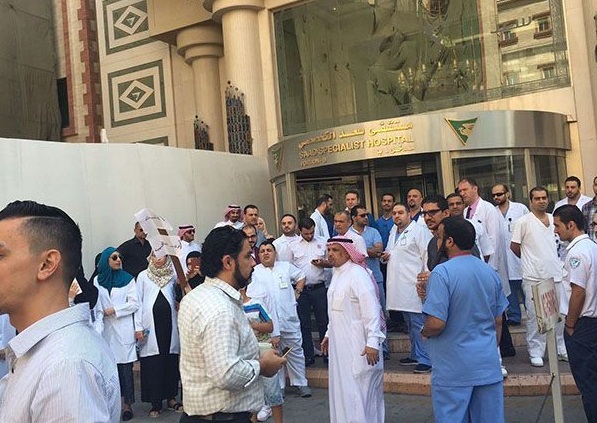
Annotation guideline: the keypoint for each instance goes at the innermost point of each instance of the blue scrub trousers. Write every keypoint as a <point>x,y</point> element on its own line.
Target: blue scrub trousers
<point>514,312</point>
<point>468,404</point>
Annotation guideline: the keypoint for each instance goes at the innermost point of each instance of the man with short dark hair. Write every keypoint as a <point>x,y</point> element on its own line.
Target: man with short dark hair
<point>135,252</point>
<point>220,361</point>
<point>289,235</point>
<point>406,256</point>
<point>323,207</point>
<point>414,199</point>
<point>463,309</point>
<point>308,254</point>
<point>534,241</point>
<point>385,222</point>
<point>351,199</point>
<point>61,369</point>
<point>251,233</point>
<point>251,213</point>
<point>573,195</point>
<point>511,211</point>
<point>588,210</point>
<point>580,279</point>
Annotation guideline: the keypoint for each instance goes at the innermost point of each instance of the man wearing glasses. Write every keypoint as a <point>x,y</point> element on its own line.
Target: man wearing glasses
<point>511,212</point>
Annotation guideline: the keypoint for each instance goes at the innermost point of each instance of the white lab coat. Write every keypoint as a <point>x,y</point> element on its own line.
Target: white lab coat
<point>495,226</point>
<point>148,293</point>
<point>355,388</point>
<point>118,329</point>
<point>408,257</point>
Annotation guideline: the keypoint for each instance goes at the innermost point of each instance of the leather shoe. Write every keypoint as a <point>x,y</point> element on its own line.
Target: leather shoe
<point>127,415</point>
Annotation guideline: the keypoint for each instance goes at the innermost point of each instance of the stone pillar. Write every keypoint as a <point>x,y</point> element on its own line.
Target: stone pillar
<point>201,46</point>
<point>240,29</point>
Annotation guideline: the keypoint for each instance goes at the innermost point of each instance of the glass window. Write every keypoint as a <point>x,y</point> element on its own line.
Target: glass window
<point>488,171</point>
<point>550,173</point>
<point>348,61</point>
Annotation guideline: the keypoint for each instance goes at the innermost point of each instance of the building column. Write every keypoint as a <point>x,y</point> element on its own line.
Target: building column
<point>202,46</point>
<point>240,29</point>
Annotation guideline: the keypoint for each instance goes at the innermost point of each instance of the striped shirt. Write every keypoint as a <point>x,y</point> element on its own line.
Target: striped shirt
<point>219,354</point>
<point>60,370</point>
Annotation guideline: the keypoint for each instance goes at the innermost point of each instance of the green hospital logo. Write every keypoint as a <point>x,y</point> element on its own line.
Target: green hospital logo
<point>278,156</point>
<point>462,128</point>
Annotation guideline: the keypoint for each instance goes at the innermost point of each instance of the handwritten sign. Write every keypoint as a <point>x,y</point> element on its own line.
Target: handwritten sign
<point>546,304</point>
<point>162,243</point>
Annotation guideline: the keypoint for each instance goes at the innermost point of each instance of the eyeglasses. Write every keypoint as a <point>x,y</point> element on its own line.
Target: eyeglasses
<point>363,215</point>
<point>115,257</point>
<point>430,213</point>
<point>497,194</point>
<point>593,224</point>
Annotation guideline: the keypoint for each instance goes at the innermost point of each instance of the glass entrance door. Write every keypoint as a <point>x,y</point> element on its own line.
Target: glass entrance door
<point>309,190</point>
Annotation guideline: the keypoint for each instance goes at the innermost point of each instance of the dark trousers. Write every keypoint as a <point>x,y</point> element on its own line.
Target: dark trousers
<point>582,353</point>
<point>185,418</point>
<point>127,384</point>
<point>506,346</point>
<point>316,300</point>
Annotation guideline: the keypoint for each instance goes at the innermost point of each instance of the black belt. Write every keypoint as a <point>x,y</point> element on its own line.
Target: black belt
<point>314,286</point>
<point>218,417</point>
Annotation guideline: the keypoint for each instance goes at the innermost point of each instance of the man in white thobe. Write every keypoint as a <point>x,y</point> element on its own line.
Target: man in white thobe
<point>353,340</point>
<point>274,283</point>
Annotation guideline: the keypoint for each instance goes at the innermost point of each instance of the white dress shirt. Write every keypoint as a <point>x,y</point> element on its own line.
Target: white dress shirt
<point>278,282</point>
<point>581,202</point>
<point>282,245</point>
<point>515,211</point>
<point>304,252</point>
<point>219,365</point>
<point>61,371</point>
<point>321,226</point>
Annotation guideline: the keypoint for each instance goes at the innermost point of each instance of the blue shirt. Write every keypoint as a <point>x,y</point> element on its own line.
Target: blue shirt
<point>372,237</point>
<point>467,294</point>
<point>384,226</point>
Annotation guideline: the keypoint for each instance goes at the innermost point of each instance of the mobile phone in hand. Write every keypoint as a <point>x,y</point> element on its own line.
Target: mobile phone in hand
<point>285,351</point>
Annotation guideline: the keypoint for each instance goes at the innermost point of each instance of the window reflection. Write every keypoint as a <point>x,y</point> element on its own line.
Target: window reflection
<point>347,61</point>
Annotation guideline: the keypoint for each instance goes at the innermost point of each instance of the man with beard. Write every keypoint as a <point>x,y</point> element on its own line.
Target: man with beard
<point>220,362</point>
<point>463,311</point>
<point>406,256</point>
<point>289,235</point>
<point>251,233</point>
<point>511,212</point>
<point>573,195</point>
<point>251,212</point>
<point>135,252</point>
<point>323,207</point>
<point>233,216</point>
<point>414,199</point>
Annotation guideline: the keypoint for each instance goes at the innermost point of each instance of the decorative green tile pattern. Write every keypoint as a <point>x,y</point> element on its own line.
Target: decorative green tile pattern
<point>126,24</point>
<point>137,94</point>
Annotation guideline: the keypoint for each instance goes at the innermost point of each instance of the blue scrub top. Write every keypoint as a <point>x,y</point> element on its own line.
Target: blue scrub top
<point>467,294</point>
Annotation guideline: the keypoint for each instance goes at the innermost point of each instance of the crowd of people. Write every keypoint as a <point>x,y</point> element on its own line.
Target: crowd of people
<point>451,271</point>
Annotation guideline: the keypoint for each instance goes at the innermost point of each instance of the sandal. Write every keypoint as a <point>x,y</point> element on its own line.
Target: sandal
<point>153,413</point>
<point>175,405</point>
